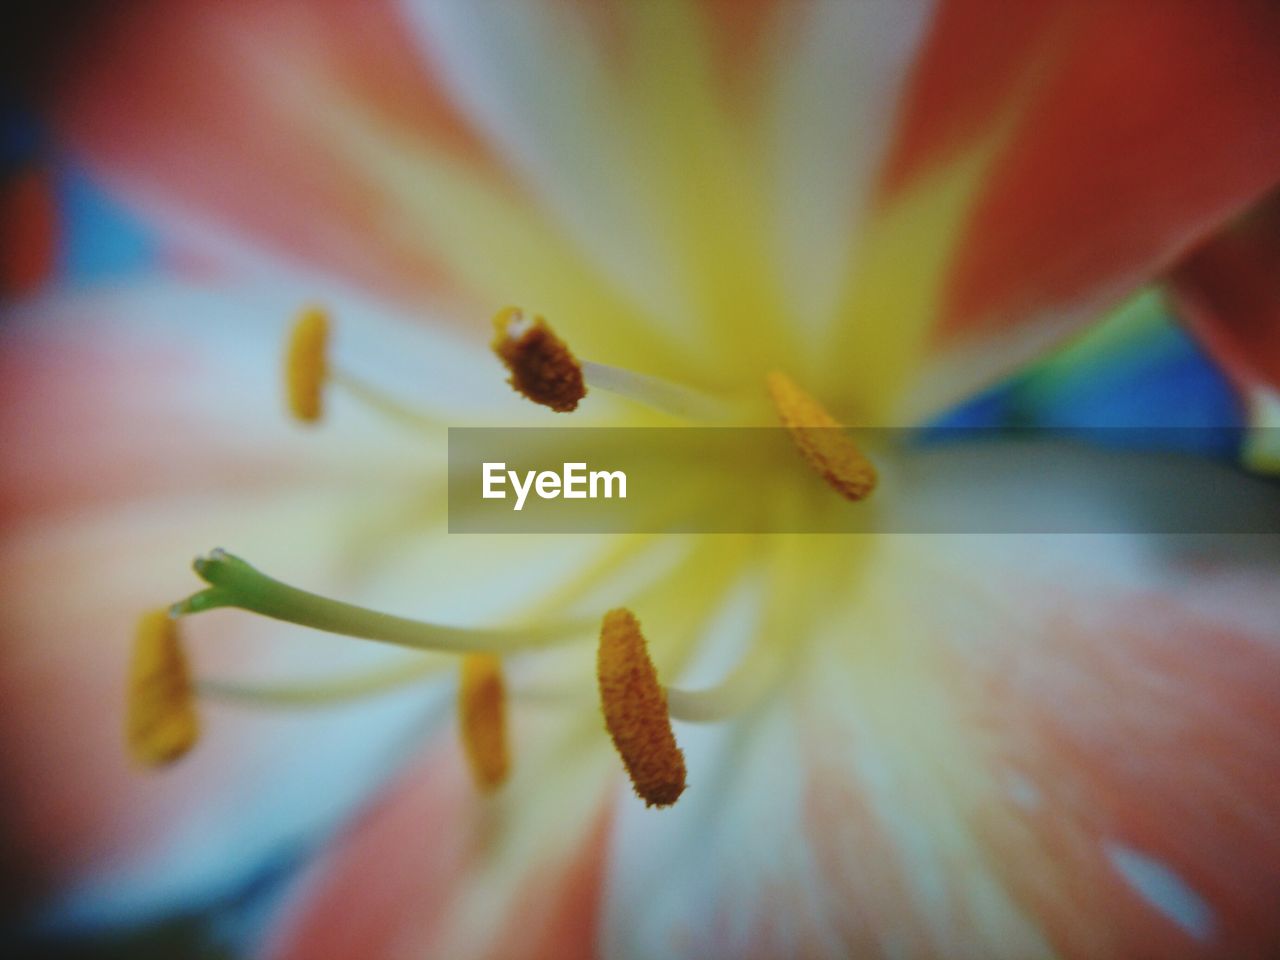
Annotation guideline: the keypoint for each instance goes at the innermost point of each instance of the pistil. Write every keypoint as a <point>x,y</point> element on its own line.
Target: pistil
<point>234,583</point>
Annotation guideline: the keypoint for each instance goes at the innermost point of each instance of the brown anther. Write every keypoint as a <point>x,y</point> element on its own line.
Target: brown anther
<point>541,365</point>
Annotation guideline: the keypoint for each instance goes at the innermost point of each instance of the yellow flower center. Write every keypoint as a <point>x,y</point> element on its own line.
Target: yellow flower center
<point>637,708</point>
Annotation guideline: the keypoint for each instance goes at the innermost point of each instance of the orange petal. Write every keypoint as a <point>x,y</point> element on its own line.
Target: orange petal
<point>1005,746</point>
<point>1228,288</point>
<point>28,230</point>
<point>414,877</point>
<point>229,106</point>
<point>1112,168</point>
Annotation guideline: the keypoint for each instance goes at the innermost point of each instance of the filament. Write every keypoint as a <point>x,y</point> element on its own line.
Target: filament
<point>319,693</point>
<point>383,403</point>
<point>655,393</point>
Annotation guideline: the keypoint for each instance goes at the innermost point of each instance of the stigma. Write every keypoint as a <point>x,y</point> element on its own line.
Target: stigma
<point>542,367</point>
<point>160,720</point>
<point>635,711</point>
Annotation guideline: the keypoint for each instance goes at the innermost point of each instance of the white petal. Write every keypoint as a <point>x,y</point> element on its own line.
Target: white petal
<point>841,69</point>
<point>534,76</point>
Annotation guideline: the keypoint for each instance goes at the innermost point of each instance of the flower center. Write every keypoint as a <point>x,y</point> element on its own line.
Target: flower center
<point>637,709</point>
<point>545,371</point>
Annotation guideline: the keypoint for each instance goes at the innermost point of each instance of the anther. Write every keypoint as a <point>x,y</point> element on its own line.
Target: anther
<point>635,711</point>
<point>541,365</point>
<point>482,719</point>
<point>160,724</point>
<point>821,439</point>
<point>306,364</point>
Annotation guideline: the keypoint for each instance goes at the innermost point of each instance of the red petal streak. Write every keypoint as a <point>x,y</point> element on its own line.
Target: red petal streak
<point>970,62</point>
<point>738,31</point>
<point>28,231</point>
<point>394,884</point>
<point>1228,289</point>
<point>1156,733</point>
<point>391,874</point>
<point>1070,750</point>
<point>561,921</point>
<point>1145,124</point>
<point>106,415</point>
<point>222,105</point>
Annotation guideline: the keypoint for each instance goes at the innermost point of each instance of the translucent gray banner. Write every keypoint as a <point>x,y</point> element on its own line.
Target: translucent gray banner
<point>756,480</point>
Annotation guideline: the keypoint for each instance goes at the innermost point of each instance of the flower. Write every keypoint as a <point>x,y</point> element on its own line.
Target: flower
<point>933,746</point>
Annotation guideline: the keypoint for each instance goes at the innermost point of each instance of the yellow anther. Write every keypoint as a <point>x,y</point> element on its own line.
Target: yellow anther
<point>821,439</point>
<point>306,365</point>
<point>635,711</point>
<point>542,367</point>
<point>160,723</point>
<point>482,717</point>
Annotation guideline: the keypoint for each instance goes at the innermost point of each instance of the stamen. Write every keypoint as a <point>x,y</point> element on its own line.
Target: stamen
<point>635,711</point>
<point>792,606</point>
<point>744,686</point>
<point>319,693</point>
<point>383,403</point>
<point>160,724</point>
<point>234,583</point>
<point>542,367</point>
<point>545,371</point>
<point>654,392</point>
<point>482,718</point>
<point>306,364</point>
<point>821,439</point>
<point>308,372</point>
